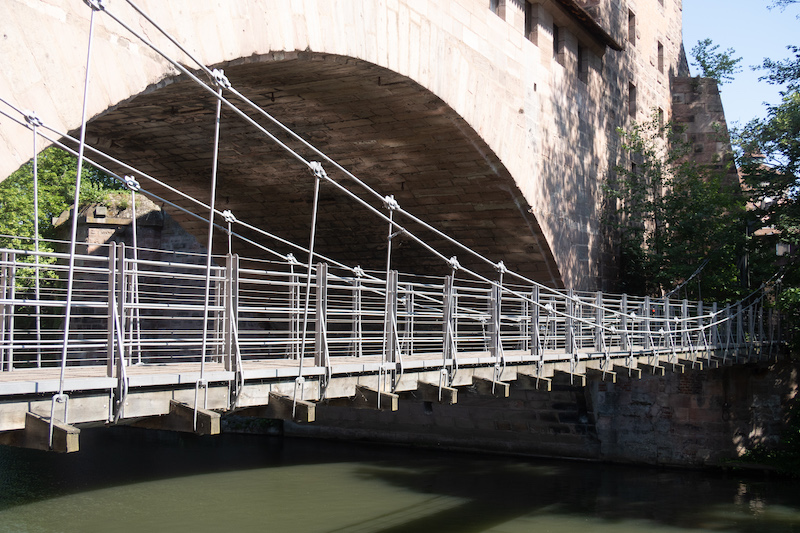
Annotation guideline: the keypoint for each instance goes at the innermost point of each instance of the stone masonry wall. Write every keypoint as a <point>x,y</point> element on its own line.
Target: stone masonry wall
<point>698,418</point>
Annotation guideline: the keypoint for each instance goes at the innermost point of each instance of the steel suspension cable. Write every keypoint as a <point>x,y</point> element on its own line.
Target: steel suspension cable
<point>221,82</point>
<point>95,5</point>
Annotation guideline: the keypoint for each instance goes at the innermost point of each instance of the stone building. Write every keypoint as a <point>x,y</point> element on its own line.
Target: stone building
<point>493,120</point>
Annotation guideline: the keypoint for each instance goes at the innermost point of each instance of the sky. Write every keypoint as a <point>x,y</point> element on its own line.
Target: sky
<point>754,32</point>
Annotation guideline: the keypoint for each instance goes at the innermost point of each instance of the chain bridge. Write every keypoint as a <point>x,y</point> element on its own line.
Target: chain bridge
<point>119,333</point>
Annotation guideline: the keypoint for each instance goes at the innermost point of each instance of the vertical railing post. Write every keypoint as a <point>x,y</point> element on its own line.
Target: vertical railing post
<point>294,313</point>
<point>598,319</point>
<point>448,330</point>
<point>647,317</point>
<point>534,323</point>
<point>112,293</point>
<point>120,298</point>
<point>9,286</point>
<point>569,328</point>
<point>218,327</point>
<point>231,313</point>
<point>524,314</point>
<point>623,323</point>
<point>3,310</point>
<point>701,325</point>
<point>390,319</point>
<point>667,329</point>
<point>494,321</point>
<point>684,325</point>
<point>408,331</point>
<point>356,342</point>
<point>320,329</point>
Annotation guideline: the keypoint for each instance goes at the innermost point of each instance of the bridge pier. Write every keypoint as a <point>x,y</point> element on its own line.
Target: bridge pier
<point>431,392</point>
<point>36,435</point>
<point>283,407</point>
<point>490,387</point>
<point>369,398</point>
<point>181,418</point>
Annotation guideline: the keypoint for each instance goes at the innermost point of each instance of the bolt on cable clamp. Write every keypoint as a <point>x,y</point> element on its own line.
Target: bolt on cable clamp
<point>228,216</point>
<point>500,267</point>
<point>549,309</point>
<point>131,183</point>
<point>358,271</point>
<point>220,79</point>
<point>292,259</point>
<point>317,170</point>
<point>97,5</point>
<point>33,119</point>
<point>390,203</point>
<point>454,264</point>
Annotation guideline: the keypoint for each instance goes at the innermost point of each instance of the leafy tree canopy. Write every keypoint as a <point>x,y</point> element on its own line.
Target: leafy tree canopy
<point>675,217</point>
<point>721,66</point>
<point>56,178</point>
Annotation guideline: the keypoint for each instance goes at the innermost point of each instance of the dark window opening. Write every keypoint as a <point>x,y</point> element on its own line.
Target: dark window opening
<point>529,21</point>
<point>497,7</point>
<point>661,58</point>
<point>557,45</point>
<point>631,28</point>
<point>583,64</point>
<point>632,99</point>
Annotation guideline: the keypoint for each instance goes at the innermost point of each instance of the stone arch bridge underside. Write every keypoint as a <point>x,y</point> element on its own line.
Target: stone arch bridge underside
<point>394,91</point>
<point>396,136</point>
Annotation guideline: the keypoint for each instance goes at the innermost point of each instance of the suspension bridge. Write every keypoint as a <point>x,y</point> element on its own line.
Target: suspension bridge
<point>123,336</point>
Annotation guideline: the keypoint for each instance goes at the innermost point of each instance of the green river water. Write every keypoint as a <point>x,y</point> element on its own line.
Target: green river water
<point>127,480</point>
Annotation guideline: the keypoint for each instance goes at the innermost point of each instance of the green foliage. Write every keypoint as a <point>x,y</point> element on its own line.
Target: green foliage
<point>672,215</point>
<point>782,4</point>
<point>721,66</point>
<point>786,71</point>
<point>56,176</point>
<point>769,159</point>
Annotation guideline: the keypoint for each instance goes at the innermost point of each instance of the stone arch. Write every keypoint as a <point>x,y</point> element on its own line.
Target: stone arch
<point>395,135</point>
<point>480,66</point>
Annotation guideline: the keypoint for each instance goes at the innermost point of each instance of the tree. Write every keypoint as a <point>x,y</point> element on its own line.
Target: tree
<point>769,158</point>
<point>56,176</point>
<point>782,4</point>
<point>721,66</point>
<point>674,217</point>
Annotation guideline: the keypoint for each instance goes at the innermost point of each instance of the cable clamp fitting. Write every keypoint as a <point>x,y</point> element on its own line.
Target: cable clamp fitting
<point>633,315</point>
<point>317,170</point>
<point>549,309</point>
<point>292,259</point>
<point>390,203</point>
<point>227,215</point>
<point>397,233</point>
<point>220,79</point>
<point>454,264</point>
<point>131,183</point>
<point>33,119</point>
<point>97,5</point>
<point>358,271</point>
<point>501,267</point>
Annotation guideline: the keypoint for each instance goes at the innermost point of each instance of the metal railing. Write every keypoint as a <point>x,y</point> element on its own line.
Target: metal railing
<point>139,309</point>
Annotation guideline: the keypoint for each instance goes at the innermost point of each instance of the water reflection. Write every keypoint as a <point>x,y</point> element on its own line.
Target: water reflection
<point>130,480</point>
